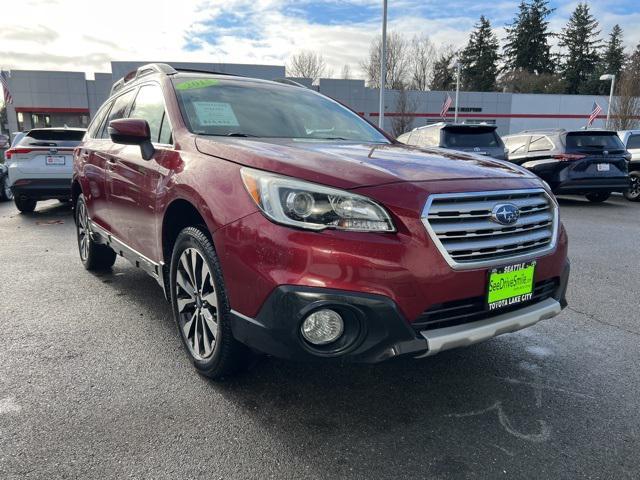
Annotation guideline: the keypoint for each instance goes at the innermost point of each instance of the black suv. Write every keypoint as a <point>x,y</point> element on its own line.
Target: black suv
<point>593,163</point>
<point>478,139</point>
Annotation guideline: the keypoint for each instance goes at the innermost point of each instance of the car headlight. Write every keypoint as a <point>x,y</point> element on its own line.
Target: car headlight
<point>307,205</point>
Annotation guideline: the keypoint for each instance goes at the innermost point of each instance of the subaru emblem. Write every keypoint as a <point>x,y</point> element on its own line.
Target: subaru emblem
<point>476,149</point>
<point>505,213</point>
<point>53,151</point>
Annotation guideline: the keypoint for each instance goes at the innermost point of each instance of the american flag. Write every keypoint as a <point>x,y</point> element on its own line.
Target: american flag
<point>4,80</point>
<point>445,106</point>
<point>597,109</point>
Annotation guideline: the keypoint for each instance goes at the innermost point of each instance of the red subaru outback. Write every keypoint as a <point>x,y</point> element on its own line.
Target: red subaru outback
<point>278,221</point>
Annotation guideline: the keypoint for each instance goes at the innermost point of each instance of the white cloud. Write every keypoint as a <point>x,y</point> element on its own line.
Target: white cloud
<point>86,35</point>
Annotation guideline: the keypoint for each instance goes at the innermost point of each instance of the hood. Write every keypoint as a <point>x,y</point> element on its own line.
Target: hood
<point>352,165</point>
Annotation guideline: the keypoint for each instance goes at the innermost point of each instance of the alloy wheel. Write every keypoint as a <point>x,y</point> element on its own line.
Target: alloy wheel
<point>197,304</point>
<point>84,231</point>
<point>634,188</point>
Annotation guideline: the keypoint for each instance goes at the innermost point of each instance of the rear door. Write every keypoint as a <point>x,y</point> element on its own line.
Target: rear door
<point>91,162</point>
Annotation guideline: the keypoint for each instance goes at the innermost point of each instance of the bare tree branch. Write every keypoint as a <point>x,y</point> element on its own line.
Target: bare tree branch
<point>422,54</point>
<point>306,64</point>
<point>398,63</point>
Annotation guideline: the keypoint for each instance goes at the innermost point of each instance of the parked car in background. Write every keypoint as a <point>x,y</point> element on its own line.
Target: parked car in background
<point>16,137</point>
<point>5,190</point>
<point>278,221</point>
<point>40,165</point>
<point>631,140</point>
<point>592,163</point>
<point>4,140</point>
<point>478,139</point>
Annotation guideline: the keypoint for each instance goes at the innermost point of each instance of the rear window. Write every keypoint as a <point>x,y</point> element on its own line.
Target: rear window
<point>590,141</point>
<point>470,138</point>
<point>633,141</point>
<point>53,138</point>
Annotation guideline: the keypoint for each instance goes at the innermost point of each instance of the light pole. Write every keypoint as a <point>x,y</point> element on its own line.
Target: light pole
<point>612,77</point>
<point>383,66</point>
<point>457,91</point>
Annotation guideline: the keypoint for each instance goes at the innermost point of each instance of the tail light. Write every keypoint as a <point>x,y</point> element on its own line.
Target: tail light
<point>568,157</point>
<point>14,151</point>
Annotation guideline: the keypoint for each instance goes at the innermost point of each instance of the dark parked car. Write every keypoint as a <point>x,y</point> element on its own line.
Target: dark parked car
<point>479,139</point>
<point>631,141</point>
<point>580,162</point>
<point>278,221</point>
<point>5,189</point>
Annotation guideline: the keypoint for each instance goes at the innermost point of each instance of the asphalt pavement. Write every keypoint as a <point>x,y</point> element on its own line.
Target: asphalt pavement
<point>94,382</point>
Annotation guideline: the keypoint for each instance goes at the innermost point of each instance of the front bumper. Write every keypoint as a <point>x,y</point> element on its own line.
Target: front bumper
<point>375,329</point>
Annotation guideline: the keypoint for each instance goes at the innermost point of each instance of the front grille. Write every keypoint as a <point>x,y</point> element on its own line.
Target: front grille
<point>462,227</point>
<point>470,310</point>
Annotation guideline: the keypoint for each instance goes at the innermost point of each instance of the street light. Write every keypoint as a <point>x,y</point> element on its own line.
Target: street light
<point>605,77</point>
<point>383,66</point>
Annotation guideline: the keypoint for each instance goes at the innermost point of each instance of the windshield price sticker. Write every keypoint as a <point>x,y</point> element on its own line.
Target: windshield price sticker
<point>215,114</point>
<point>511,285</point>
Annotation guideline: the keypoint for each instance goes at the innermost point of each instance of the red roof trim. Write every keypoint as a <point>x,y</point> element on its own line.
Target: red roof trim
<point>51,110</point>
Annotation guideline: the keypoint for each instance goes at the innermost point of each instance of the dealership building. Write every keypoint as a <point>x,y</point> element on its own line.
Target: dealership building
<point>53,99</point>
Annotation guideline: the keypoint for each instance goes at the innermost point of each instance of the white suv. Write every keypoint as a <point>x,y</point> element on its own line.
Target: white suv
<point>40,165</point>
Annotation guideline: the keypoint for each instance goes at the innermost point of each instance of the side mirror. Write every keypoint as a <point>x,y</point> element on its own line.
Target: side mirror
<point>132,131</point>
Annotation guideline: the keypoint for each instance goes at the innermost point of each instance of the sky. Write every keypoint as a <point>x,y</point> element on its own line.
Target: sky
<point>85,35</point>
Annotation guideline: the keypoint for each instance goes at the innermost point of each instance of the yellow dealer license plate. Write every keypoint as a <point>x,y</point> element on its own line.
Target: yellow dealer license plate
<point>510,285</point>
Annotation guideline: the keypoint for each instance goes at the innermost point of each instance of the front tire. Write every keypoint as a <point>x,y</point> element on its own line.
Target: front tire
<point>25,204</point>
<point>633,194</point>
<point>201,307</point>
<point>598,197</point>
<point>94,257</point>
<point>5,191</point>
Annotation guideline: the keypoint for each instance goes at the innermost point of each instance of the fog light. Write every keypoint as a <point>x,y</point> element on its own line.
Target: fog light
<point>322,327</point>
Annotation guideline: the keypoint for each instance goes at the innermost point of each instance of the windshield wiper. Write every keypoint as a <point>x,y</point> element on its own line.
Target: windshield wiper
<point>240,134</point>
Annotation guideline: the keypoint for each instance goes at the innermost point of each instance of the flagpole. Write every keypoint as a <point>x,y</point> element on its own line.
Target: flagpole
<point>457,90</point>
<point>383,66</point>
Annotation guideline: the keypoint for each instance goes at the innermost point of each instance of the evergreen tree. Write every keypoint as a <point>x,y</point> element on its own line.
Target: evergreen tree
<point>527,47</point>
<point>612,61</point>
<point>614,58</point>
<point>443,73</point>
<point>479,59</point>
<point>580,39</point>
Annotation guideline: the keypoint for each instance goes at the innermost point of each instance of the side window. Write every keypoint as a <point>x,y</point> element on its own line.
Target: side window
<point>540,144</point>
<point>165,131</point>
<point>633,141</point>
<point>97,121</point>
<point>516,144</point>
<point>149,106</point>
<point>119,109</point>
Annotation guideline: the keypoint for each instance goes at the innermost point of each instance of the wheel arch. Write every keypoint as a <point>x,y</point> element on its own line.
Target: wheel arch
<point>179,214</point>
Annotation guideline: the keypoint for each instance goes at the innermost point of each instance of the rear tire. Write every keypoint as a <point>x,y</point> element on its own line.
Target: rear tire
<point>201,307</point>
<point>25,204</point>
<point>94,257</point>
<point>5,191</point>
<point>633,194</point>
<point>598,197</point>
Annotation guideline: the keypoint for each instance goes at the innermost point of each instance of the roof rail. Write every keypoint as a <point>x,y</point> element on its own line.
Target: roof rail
<point>288,81</point>
<point>142,71</point>
<point>198,70</point>
<point>539,130</point>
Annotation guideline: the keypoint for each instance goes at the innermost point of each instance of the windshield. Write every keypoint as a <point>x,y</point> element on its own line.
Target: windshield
<point>253,109</point>
<point>470,138</point>
<point>593,141</point>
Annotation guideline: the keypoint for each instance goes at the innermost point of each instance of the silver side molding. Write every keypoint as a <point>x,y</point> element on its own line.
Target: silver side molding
<point>136,258</point>
<point>447,338</point>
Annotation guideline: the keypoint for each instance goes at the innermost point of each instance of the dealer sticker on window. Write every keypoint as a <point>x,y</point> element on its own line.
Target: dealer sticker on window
<point>510,285</point>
